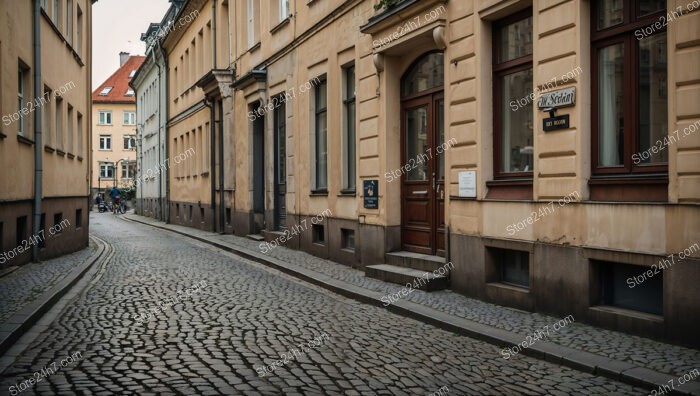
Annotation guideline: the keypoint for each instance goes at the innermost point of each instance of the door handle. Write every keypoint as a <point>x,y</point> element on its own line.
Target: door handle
<point>433,180</point>
<point>424,192</point>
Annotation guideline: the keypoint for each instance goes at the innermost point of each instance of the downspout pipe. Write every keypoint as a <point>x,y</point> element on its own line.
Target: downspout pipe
<point>166,168</point>
<point>213,33</point>
<point>160,174</point>
<point>212,165</point>
<point>222,228</point>
<point>38,141</point>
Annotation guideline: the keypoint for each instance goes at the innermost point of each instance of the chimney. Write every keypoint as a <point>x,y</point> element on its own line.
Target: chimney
<point>123,56</point>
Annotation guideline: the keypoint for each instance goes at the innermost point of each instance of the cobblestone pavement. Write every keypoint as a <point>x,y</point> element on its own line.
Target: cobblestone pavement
<point>26,284</point>
<point>643,352</point>
<point>223,333</point>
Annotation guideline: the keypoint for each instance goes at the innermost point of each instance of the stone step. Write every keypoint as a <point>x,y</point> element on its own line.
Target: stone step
<point>255,237</point>
<point>423,262</point>
<point>421,280</point>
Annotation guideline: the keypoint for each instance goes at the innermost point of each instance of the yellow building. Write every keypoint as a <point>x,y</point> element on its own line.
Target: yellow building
<point>114,128</point>
<point>45,69</point>
<point>544,153</point>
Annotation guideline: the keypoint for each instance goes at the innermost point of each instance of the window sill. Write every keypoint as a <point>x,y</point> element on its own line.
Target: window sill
<point>80,158</point>
<point>629,188</point>
<point>49,149</point>
<point>25,140</point>
<point>71,156</point>
<point>280,25</point>
<point>510,287</point>
<point>2,135</point>
<point>254,47</point>
<point>516,189</point>
<point>61,152</point>
<point>628,313</point>
<point>348,193</point>
<point>319,193</point>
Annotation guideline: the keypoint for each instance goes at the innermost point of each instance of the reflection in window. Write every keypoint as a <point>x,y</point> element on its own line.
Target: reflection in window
<point>609,13</point>
<point>653,109</point>
<point>610,105</point>
<point>428,73</point>
<point>516,126</point>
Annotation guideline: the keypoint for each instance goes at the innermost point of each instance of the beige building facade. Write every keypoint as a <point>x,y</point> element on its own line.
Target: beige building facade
<point>114,128</point>
<point>44,134</point>
<point>545,151</point>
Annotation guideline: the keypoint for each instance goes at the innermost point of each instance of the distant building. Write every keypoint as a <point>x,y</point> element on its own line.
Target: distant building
<point>151,86</point>
<point>114,128</point>
<point>44,133</point>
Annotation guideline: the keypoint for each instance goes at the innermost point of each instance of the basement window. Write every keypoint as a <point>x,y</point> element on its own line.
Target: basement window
<point>318,234</point>
<point>347,239</point>
<point>632,287</point>
<point>513,266</point>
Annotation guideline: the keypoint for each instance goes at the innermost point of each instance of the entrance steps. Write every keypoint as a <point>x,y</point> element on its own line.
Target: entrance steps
<point>422,271</point>
<point>256,237</point>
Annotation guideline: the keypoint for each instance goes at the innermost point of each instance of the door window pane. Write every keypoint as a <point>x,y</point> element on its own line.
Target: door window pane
<point>515,40</point>
<point>417,144</point>
<point>516,125</point>
<point>428,73</point>
<point>609,13</point>
<point>610,105</point>
<point>653,109</point>
<point>281,143</point>
<point>441,139</point>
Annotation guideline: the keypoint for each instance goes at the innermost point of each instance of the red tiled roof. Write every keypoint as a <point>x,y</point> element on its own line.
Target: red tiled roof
<point>119,81</point>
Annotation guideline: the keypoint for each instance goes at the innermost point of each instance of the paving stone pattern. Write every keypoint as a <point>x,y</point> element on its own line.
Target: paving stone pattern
<point>213,341</point>
<point>24,285</point>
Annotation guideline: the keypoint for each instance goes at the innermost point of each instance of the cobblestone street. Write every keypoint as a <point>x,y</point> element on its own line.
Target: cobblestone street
<point>240,328</point>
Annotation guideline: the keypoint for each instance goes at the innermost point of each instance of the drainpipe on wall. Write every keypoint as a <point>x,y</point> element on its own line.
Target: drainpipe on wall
<point>38,143</point>
<point>221,167</point>
<point>166,170</point>
<point>160,174</point>
<point>213,33</point>
<point>212,164</point>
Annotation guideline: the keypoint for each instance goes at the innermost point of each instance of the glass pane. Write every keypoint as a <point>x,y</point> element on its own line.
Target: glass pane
<point>441,147</point>
<point>351,145</point>
<point>515,40</point>
<point>515,267</point>
<point>428,73</point>
<point>321,152</point>
<point>610,106</point>
<point>417,144</point>
<point>609,13</point>
<point>653,103</point>
<point>321,99</point>
<point>281,144</point>
<point>647,7</point>
<point>516,123</point>
<point>350,78</point>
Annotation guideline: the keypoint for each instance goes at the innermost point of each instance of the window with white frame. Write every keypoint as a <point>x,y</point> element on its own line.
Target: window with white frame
<point>22,77</point>
<point>128,170</point>
<point>252,18</point>
<point>107,170</point>
<point>105,91</point>
<point>129,118</point>
<point>105,142</point>
<point>129,142</point>
<point>284,9</point>
<point>104,117</point>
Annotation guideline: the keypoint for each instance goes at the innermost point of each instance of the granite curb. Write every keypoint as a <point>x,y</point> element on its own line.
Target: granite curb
<point>23,320</point>
<point>551,352</point>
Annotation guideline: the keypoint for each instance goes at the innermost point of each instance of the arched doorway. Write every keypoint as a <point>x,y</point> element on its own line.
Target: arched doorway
<point>422,156</point>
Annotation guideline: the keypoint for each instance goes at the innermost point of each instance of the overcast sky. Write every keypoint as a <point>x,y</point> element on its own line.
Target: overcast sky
<point>117,26</point>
